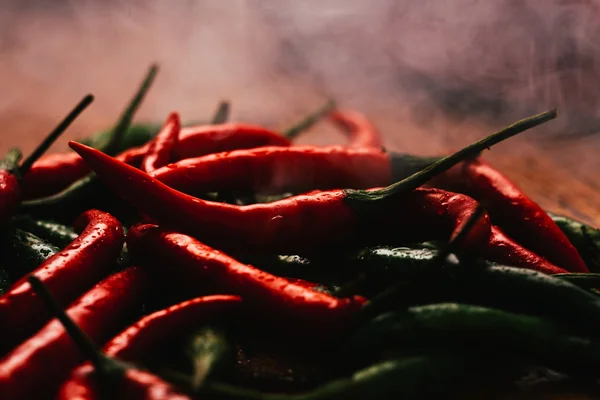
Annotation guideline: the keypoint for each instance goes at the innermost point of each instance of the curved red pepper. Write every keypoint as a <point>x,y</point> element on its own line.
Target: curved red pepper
<point>201,140</point>
<point>135,384</point>
<point>36,368</point>
<point>68,273</point>
<point>161,149</point>
<point>272,297</point>
<point>150,331</point>
<point>506,251</point>
<point>518,215</point>
<point>154,329</point>
<point>272,170</point>
<point>52,173</point>
<point>360,131</point>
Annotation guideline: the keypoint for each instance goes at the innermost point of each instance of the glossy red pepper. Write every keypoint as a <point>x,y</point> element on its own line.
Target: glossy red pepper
<point>135,384</point>
<point>201,140</point>
<point>273,298</point>
<point>150,332</point>
<point>160,150</point>
<point>518,215</point>
<point>273,170</point>
<point>35,369</point>
<point>503,250</point>
<point>158,327</point>
<point>68,273</point>
<point>361,133</point>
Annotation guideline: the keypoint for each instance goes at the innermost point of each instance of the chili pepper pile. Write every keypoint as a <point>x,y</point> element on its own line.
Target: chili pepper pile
<point>219,260</point>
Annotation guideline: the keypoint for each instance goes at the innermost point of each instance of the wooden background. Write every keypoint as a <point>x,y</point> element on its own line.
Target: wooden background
<point>432,75</point>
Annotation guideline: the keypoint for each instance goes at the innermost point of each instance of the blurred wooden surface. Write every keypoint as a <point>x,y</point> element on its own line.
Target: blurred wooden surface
<point>408,65</point>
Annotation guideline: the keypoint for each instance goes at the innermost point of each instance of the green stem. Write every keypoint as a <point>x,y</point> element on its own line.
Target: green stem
<point>52,136</point>
<point>420,178</point>
<point>308,121</point>
<point>222,114</point>
<point>112,143</point>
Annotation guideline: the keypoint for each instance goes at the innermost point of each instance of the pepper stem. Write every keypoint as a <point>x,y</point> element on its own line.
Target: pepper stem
<point>103,364</point>
<point>222,114</point>
<point>308,121</point>
<point>420,178</point>
<point>11,160</point>
<point>112,142</point>
<point>458,237</point>
<point>55,134</point>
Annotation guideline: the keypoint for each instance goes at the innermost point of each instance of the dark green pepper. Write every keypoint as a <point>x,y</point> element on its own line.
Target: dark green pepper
<point>22,252</point>
<point>475,328</point>
<point>52,232</point>
<point>585,238</point>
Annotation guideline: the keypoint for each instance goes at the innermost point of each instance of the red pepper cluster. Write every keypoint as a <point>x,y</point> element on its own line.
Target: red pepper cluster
<point>185,241</point>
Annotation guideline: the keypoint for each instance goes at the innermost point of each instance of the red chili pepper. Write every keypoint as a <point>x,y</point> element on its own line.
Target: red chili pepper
<point>68,273</point>
<point>134,384</point>
<point>506,251</point>
<point>13,177</point>
<point>201,140</point>
<point>273,297</point>
<point>160,150</point>
<point>154,329</point>
<point>35,369</point>
<point>361,132</point>
<point>273,170</point>
<point>519,216</point>
<point>151,331</point>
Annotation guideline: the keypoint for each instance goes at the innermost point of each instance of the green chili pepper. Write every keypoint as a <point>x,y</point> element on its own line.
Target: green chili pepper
<point>52,232</point>
<point>585,238</point>
<point>23,252</point>
<point>582,279</point>
<point>508,288</point>
<point>420,376</point>
<point>451,325</point>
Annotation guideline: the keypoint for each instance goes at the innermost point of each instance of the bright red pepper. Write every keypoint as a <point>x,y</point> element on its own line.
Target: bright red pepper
<point>513,211</point>
<point>506,251</point>
<point>35,369</point>
<point>68,273</point>
<point>156,328</point>
<point>272,170</point>
<point>151,331</point>
<point>160,150</point>
<point>361,133</point>
<point>274,298</point>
